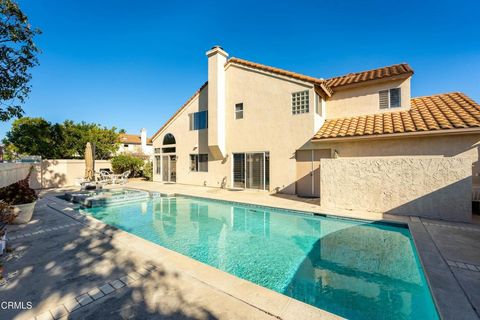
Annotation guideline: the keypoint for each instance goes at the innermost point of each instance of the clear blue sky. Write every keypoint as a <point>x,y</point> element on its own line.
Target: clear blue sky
<point>131,64</point>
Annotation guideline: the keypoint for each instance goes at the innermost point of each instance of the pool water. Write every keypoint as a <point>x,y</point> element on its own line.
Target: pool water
<point>352,268</point>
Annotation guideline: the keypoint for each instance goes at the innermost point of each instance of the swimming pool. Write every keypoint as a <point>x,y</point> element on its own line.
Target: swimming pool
<point>352,268</point>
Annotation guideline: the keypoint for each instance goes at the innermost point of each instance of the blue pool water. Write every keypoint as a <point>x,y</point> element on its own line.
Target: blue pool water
<point>352,268</point>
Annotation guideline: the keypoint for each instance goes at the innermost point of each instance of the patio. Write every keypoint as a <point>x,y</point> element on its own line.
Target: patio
<point>71,266</point>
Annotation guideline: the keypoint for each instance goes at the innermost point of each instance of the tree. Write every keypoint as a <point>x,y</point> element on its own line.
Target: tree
<point>17,56</point>
<point>76,136</point>
<point>36,136</point>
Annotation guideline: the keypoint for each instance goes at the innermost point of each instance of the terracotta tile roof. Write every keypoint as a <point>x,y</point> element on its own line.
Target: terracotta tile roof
<point>315,81</point>
<point>179,110</point>
<point>132,138</point>
<point>427,114</point>
<point>375,74</point>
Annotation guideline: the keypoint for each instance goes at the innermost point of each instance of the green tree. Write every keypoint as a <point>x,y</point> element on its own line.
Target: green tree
<point>36,136</point>
<point>76,136</point>
<point>17,55</point>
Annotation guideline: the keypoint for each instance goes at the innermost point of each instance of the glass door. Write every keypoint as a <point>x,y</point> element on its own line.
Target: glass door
<point>251,170</point>
<point>173,168</point>
<point>165,169</point>
<point>239,170</point>
<point>254,171</point>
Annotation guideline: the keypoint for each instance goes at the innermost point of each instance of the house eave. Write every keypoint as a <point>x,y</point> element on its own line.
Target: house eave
<point>440,132</point>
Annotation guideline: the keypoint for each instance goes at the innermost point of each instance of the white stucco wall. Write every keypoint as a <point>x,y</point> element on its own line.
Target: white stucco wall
<point>13,172</point>
<point>48,173</point>
<point>438,188</point>
<point>267,125</point>
<point>364,99</point>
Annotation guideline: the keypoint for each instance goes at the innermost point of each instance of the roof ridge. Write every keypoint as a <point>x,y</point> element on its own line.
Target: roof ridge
<point>316,81</point>
<point>439,94</point>
<point>369,70</point>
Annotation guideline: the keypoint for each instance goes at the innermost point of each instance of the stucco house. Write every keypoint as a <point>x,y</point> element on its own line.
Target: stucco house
<point>259,127</point>
<point>135,143</point>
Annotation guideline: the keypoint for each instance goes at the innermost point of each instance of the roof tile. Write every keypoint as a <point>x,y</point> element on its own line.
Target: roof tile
<point>438,112</point>
<point>375,74</point>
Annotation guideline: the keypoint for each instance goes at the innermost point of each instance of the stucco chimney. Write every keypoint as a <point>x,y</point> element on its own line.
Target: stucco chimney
<point>217,58</point>
<point>143,138</point>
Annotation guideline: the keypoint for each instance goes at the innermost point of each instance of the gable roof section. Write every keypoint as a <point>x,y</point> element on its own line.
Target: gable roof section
<point>132,138</point>
<point>427,114</point>
<point>369,75</point>
<point>316,81</point>
<point>179,110</point>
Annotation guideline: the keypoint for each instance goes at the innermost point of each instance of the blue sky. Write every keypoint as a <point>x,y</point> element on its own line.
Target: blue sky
<point>131,64</point>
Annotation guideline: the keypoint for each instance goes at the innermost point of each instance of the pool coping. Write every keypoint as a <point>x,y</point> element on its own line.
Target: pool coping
<point>441,281</point>
<point>266,300</point>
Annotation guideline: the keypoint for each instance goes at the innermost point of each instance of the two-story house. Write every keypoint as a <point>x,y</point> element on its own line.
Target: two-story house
<point>135,143</point>
<point>259,127</point>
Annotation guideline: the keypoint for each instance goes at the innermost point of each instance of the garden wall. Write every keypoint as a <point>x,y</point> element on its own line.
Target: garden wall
<point>48,173</point>
<point>438,188</point>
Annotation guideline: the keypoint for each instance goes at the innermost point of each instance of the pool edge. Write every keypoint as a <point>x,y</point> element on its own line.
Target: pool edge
<point>266,300</point>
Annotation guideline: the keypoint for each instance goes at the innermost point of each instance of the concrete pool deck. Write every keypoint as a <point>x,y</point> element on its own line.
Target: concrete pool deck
<point>82,270</point>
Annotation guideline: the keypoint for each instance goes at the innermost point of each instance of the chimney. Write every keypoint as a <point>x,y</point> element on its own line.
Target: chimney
<point>143,139</point>
<point>217,58</point>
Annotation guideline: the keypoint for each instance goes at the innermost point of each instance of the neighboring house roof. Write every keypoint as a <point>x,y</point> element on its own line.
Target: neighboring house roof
<point>132,139</point>
<point>428,114</point>
<point>316,81</point>
<point>369,75</point>
<point>179,111</point>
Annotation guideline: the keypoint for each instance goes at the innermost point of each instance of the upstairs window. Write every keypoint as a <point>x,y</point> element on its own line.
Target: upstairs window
<point>390,98</point>
<point>239,111</point>
<point>199,120</point>
<point>300,102</point>
<point>199,162</point>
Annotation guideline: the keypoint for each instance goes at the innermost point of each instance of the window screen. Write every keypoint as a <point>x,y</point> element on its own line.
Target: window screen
<point>383,99</point>
<point>390,98</point>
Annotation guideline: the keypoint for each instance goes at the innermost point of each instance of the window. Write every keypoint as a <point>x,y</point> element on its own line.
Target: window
<point>169,150</point>
<point>125,145</point>
<point>300,102</point>
<point>199,162</point>
<point>390,98</point>
<point>198,120</point>
<point>158,165</point>
<point>158,150</point>
<point>169,139</point>
<point>239,111</point>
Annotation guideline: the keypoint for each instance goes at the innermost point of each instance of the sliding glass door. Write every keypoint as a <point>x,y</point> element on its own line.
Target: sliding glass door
<point>239,170</point>
<point>251,170</point>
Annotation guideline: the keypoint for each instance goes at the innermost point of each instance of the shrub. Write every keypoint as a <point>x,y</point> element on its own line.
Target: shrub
<point>19,192</point>
<point>148,171</point>
<point>7,215</point>
<point>125,162</point>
